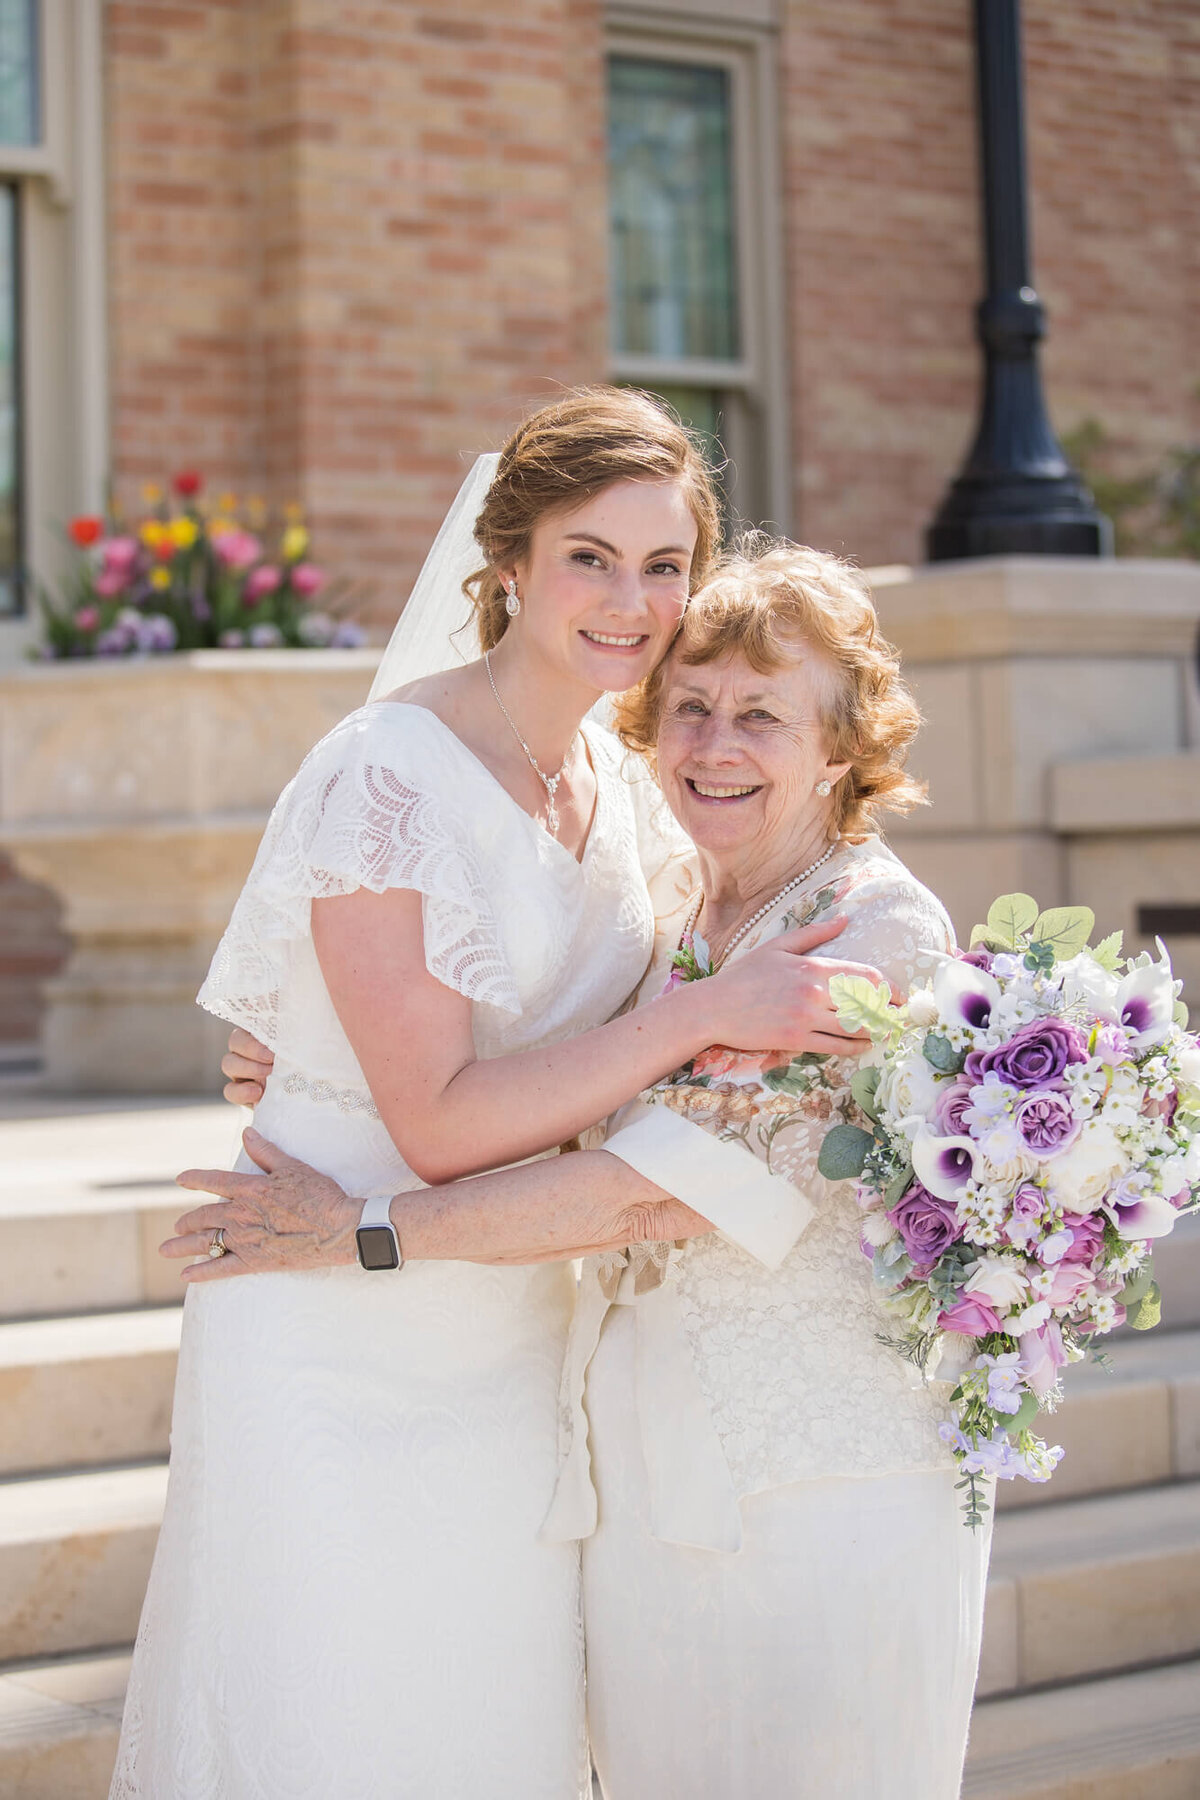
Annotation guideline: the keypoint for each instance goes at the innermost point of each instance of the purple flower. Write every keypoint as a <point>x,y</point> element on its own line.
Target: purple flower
<point>1087,1237</point>
<point>348,636</point>
<point>1028,1205</point>
<point>1112,1044</point>
<point>978,959</point>
<point>1035,1055</point>
<point>949,1108</point>
<point>1046,1122</point>
<point>928,1226</point>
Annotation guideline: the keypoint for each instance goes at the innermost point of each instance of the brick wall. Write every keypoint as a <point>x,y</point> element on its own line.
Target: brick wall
<point>883,251</point>
<point>376,235</point>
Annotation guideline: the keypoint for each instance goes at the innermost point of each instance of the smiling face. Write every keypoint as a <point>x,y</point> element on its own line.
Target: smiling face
<point>740,754</point>
<point>604,586</point>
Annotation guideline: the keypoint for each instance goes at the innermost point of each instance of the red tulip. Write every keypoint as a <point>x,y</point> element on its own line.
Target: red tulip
<point>187,483</point>
<point>86,531</point>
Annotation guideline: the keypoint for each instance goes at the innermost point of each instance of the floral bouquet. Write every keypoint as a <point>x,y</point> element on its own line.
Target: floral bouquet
<point>1035,1124</point>
<point>188,577</point>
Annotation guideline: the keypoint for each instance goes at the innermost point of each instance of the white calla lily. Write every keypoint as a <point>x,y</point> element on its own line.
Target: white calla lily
<point>965,995</point>
<point>1146,1002</point>
<point>943,1165</point>
<point>1148,1217</point>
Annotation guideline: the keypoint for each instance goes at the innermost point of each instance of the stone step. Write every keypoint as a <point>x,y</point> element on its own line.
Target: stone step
<point>1092,1586</point>
<point>59,1725</point>
<point>87,1196</point>
<point>1177,1270</point>
<point>1130,1737</point>
<point>91,1389</point>
<point>75,1553</point>
<point>1131,1425</point>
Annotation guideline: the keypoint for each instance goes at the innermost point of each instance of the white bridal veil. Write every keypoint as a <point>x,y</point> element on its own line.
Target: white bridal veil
<point>436,630</point>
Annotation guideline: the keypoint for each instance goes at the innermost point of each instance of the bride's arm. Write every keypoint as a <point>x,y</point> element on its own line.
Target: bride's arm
<point>292,1217</point>
<point>451,1115</point>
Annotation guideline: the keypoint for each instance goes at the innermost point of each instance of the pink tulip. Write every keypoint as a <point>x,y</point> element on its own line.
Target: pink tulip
<point>261,581</point>
<point>307,579</point>
<point>237,549</point>
<point>110,582</point>
<point>87,618</point>
<point>119,553</point>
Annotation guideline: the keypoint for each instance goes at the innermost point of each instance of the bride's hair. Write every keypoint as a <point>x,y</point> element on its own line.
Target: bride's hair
<point>568,451</point>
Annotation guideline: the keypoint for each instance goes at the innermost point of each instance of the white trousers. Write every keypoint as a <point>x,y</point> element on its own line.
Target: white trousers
<point>832,1658</point>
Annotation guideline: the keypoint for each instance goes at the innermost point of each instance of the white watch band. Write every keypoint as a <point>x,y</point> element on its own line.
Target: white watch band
<point>376,1215</point>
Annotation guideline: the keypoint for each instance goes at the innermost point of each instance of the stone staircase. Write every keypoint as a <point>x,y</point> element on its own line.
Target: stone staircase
<point>1090,1684</point>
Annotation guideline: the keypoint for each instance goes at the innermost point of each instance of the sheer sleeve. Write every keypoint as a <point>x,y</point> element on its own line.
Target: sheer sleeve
<point>666,853</point>
<point>383,801</point>
<point>770,1108</point>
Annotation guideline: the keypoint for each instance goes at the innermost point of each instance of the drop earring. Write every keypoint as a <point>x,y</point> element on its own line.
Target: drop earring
<point>512,605</point>
<point>824,789</point>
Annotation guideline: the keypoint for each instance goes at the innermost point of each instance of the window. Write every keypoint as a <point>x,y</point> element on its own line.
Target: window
<point>692,313</point>
<point>53,393</point>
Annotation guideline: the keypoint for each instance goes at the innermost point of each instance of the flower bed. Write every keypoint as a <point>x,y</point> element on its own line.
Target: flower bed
<point>191,576</point>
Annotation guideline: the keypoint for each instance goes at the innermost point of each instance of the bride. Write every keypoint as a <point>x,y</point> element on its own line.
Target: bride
<point>349,1598</point>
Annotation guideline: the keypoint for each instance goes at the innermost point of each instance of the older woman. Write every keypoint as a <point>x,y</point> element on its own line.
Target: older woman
<point>780,1595</point>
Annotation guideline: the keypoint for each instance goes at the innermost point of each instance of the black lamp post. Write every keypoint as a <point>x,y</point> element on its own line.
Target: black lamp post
<point>1017,494</point>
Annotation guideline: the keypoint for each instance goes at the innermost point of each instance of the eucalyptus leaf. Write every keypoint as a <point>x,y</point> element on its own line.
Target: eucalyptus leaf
<point>1023,1418</point>
<point>1180,1015</point>
<point>864,1084</point>
<point>1012,917</point>
<point>1148,1311</point>
<point>891,1275</point>
<point>941,1055</point>
<point>843,1152</point>
<point>862,1006</point>
<point>1066,928</point>
<point>898,1186</point>
<point>983,939</point>
<point>1108,951</point>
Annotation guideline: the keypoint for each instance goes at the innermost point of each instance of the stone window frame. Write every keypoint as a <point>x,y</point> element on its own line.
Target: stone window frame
<point>758,434</point>
<point>63,372</point>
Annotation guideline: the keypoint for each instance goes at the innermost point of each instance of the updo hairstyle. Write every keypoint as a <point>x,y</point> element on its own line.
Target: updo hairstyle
<point>565,453</point>
<point>769,600</point>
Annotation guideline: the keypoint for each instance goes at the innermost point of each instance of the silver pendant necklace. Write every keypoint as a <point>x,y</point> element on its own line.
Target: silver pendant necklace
<point>549,782</point>
<point>690,928</point>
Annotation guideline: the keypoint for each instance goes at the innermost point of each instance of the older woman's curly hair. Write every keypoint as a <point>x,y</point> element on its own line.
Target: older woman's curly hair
<point>769,599</point>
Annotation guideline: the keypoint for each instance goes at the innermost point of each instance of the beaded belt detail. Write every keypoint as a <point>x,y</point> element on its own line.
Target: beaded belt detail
<point>347,1100</point>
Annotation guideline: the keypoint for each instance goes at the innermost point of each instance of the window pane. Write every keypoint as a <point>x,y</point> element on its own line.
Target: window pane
<point>674,285</point>
<point>19,108</point>
<point>10,437</point>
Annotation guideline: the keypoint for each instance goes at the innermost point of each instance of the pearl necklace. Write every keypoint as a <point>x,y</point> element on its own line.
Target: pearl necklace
<point>740,933</point>
<point>549,782</point>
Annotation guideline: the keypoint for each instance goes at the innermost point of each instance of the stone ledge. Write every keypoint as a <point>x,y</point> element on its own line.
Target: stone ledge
<point>1126,793</point>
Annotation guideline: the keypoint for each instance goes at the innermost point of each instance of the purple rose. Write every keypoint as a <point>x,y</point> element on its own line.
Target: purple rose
<point>1033,1056</point>
<point>949,1108</point>
<point>978,959</point>
<point>1028,1205</point>
<point>1046,1122</point>
<point>928,1226</point>
<point>970,1317</point>
<point>1087,1237</point>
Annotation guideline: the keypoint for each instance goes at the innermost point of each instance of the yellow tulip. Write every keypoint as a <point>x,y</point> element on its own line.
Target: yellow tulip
<point>160,578</point>
<point>153,533</point>
<point>151,493</point>
<point>183,533</point>
<point>293,512</point>
<point>294,543</point>
<point>218,526</point>
<point>227,503</point>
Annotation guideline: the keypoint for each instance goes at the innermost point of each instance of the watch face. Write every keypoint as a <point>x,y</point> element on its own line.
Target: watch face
<point>377,1247</point>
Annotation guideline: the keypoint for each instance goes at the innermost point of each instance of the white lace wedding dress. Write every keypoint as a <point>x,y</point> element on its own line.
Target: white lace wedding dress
<point>349,1599</point>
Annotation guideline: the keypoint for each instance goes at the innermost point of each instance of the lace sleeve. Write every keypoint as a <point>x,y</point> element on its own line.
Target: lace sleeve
<point>780,1110</point>
<point>382,802</point>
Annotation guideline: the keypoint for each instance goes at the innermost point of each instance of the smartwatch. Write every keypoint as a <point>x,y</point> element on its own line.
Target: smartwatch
<point>378,1245</point>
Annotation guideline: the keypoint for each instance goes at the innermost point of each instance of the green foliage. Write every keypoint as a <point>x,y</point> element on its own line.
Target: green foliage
<point>1065,928</point>
<point>861,1006</point>
<point>1022,1419</point>
<point>941,1055</point>
<point>1145,1315</point>
<point>1155,508</point>
<point>1108,951</point>
<point>864,1084</point>
<point>844,1152</point>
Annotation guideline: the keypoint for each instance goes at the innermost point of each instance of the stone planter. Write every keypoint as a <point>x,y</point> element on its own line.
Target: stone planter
<point>138,791</point>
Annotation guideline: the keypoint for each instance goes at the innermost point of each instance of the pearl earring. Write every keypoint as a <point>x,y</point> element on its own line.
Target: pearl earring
<point>823,788</point>
<point>512,605</point>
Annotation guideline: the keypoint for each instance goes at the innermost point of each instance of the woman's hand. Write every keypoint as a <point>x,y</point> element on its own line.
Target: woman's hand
<point>777,996</point>
<point>245,1066</point>
<point>289,1217</point>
